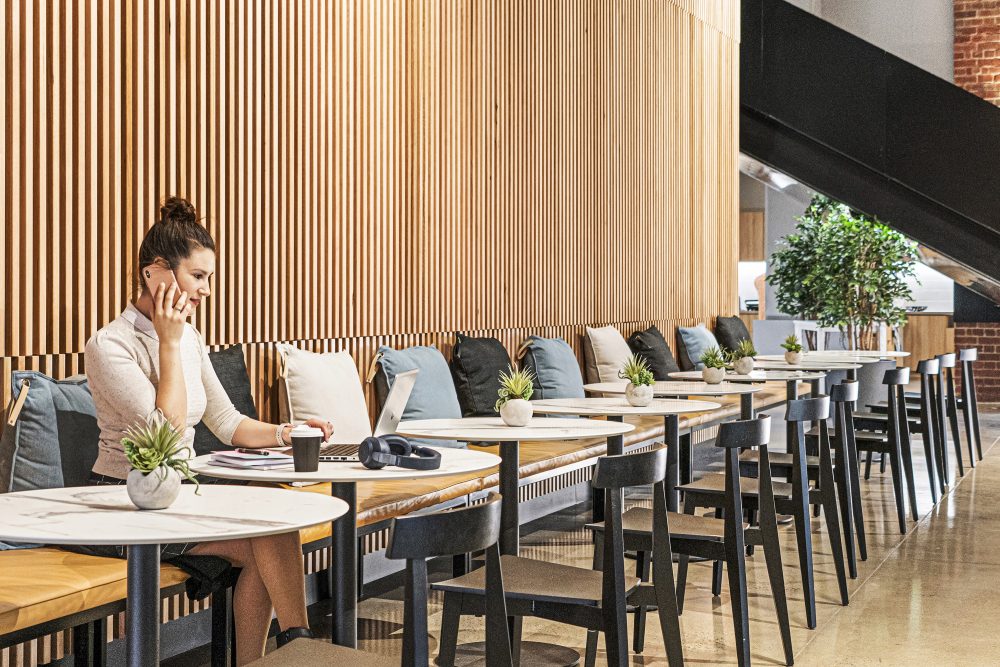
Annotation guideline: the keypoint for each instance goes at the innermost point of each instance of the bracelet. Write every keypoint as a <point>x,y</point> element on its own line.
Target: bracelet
<point>277,434</point>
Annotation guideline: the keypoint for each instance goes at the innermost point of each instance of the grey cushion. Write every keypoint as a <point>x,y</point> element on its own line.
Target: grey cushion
<point>556,369</point>
<point>652,346</point>
<point>729,331</point>
<point>231,367</point>
<point>694,341</point>
<point>433,395</point>
<point>476,364</point>
<point>54,441</point>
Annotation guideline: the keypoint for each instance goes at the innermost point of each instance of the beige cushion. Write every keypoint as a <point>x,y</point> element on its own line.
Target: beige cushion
<point>325,386</point>
<point>607,351</point>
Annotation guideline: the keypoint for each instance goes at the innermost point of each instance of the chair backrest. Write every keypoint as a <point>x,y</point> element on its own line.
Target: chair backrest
<point>618,472</point>
<point>969,354</point>
<point>808,409</point>
<point>946,360</point>
<point>448,533</point>
<point>929,367</point>
<point>746,433</point>
<point>445,533</point>
<point>896,376</point>
<point>845,392</point>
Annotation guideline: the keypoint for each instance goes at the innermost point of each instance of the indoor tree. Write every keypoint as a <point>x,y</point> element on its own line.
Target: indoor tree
<point>844,269</point>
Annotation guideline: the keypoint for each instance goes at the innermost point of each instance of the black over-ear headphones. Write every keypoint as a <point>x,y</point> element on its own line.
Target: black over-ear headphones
<point>395,450</point>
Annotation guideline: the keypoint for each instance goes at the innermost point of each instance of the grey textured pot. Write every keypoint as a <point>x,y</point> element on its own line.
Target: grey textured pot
<point>155,491</point>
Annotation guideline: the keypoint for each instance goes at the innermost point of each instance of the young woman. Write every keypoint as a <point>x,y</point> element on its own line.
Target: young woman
<point>150,358</point>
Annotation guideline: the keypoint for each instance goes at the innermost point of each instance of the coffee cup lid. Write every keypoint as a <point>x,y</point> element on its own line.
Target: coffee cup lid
<point>305,431</point>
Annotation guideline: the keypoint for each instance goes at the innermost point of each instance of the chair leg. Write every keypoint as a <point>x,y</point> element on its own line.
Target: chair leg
<point>969,431</point>
<point>682,573</point>
<point>868,466</point>
<point>616,634</point>
<point>717,566</point>
<point>639,628</point>
<point>590,657</point>
<point>897,491</point>
<point>772,558</point>
<point>223,629</point>
<point>450,618</point>
<point>953,423</point>
<point>803,538</point>
<point>927,437</point>
<point>906,458</point>
<point>858,511</point>
<point>90,646</point>
<point>829,503</point>
<point>881,464</point>
<point>736,567</point>
<point>845,502</point>
<point>974,403</point>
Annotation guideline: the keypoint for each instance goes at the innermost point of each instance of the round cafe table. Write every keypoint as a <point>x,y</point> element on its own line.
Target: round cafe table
<point>616,408</point>
<point>667,389</point>
<point>343,477</point>
<point>492,429</point>
<point>96,515</point>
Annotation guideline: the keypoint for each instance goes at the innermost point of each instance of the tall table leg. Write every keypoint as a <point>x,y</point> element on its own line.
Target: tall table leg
<point>344,567</point>
<point>142,606</point>
<point>509,479</point>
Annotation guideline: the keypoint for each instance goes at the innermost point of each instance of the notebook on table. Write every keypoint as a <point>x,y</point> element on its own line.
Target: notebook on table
<point>388,421</point>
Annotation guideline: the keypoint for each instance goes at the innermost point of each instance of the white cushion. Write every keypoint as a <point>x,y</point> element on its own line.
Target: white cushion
<point>326,386</point>
<point>608,353</point>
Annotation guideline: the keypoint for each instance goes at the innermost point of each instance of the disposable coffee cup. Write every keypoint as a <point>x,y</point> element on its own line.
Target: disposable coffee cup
<point>306,441</point>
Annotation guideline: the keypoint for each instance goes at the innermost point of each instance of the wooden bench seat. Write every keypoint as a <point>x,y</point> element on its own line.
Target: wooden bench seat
<point>39,585</point>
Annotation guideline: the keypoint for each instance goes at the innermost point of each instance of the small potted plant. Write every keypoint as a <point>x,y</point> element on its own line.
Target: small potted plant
<point>793,350</point>
<point>516,387</point>
<point>158,459</point>
<point>714,361</point>
<point>743,356</point>
<point>639,391</point>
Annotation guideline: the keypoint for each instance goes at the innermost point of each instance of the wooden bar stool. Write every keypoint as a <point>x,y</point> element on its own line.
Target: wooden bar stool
<point>794,498</point>
<point>415,539</point>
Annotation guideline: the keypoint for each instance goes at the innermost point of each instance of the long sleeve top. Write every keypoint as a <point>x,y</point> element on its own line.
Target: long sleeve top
<point>123,370</point>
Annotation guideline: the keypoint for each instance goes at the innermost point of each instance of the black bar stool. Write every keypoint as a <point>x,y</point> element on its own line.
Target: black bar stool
<point>948,411</point>
<point>415,539</point>
<point>968,402</point>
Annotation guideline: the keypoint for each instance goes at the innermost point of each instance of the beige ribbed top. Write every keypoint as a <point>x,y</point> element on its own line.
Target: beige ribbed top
<point>123,370</point>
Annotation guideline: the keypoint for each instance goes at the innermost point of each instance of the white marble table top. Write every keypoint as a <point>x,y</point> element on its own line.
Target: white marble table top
<point>453,462</point>
<point>617,406</point>
<point>888,354</point>
<point>807,365</point>
<point>822,358</point>
<point>105,515</point>
<point>679,388</point>
<point>492,429</point>
<point>757,376</point>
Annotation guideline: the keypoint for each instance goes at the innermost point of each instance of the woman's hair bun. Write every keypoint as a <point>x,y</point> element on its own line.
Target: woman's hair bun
<point>177,209</point>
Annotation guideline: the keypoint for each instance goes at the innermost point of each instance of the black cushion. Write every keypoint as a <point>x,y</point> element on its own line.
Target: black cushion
<point>729,331</point>
<point>652,346</point>
<point>476,364</point>
<point>231,368</point>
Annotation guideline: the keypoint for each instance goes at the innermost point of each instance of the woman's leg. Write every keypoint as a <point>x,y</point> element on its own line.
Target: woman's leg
<point>251,602</point>
<point>279,561</point>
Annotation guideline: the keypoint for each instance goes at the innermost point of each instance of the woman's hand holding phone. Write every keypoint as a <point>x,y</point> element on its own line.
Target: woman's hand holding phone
<point>169,320</point>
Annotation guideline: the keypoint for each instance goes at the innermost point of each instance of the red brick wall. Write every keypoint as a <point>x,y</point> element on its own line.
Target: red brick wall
<point>977,47</point>
<point>985,337</point>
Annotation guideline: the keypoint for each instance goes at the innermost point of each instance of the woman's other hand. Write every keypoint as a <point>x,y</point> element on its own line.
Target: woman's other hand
<point>169,320</point>
<point>323,425</point>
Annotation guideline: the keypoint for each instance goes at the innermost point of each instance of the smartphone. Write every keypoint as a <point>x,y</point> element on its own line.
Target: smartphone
<point>155,274</point>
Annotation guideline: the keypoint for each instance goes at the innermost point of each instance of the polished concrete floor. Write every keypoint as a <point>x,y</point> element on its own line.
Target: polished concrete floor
<point>927,597</point>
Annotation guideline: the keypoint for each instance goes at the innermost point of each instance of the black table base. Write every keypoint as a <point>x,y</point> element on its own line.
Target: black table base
<point>343,567</point>
<point>142,606</point>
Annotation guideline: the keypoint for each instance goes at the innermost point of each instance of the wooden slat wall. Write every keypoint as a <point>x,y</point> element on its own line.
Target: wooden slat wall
<point>373,171</point>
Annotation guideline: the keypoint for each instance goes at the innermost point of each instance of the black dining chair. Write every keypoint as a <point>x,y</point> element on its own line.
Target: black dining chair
<point>592,599</point>
<point>415,539</point>
<point>718,539</point>
<point>947,412</point>
<point>795,498</point>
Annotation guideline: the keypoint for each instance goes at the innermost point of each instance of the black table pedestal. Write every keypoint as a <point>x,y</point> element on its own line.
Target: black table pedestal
<point>142,606</point>
<point>344,567</point>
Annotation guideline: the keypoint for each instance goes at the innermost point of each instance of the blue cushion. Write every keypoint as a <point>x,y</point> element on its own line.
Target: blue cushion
<point>433,395</point>
<point>696,340</point>
<point>54,441</point>
<point>556,369</point>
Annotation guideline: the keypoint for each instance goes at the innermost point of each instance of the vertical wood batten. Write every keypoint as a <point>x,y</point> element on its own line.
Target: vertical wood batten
<point>374,173</point>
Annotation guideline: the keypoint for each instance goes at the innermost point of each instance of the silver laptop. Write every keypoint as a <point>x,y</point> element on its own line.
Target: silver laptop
<point>388,421</point>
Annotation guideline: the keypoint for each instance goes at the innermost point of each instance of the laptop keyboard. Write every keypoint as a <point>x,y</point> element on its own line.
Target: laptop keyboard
<point>339,450</point>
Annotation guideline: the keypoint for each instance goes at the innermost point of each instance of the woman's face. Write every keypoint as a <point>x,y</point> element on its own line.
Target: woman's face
<point>193,274</point>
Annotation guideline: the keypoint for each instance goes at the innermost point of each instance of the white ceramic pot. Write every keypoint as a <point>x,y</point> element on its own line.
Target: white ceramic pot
<point>639,395</point>
<point>516,412</point>
<point>155,491</point>
<point>793,358</point>
<point>713,375</point>
<point>743,365</point>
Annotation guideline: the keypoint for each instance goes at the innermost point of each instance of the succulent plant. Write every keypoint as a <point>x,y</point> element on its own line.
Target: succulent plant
<point>514,383</point>
<point>636,371</point>
<point>744,349</point>
<point>792,344</point>
<point>713,357</point>
<point>155,445</point>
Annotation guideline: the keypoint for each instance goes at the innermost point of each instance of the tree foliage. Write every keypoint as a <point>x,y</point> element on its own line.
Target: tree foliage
<point>843,269</point>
